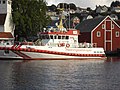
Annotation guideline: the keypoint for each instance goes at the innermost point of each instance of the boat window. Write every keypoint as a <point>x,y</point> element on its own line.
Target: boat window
<point>51,36</point>
<point>40,36</point>
<point>43,37</point>
<point>67,37</point>
<point>47,36</point>
<point>55,37</point>
<point>63,37</point>
<point>6,51</point>
<point>59,37</point>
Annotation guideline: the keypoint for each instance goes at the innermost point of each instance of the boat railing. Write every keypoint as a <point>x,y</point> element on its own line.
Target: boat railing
<point>52,44</point>
<point>87,45</point>
<point>78,45</point>
<point>73,45</point>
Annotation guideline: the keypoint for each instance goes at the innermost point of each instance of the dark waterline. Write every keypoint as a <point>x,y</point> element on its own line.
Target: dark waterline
<point>60,75</point>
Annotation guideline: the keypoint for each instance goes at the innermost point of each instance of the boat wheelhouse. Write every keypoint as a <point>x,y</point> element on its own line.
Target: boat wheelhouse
<point>59,38</point>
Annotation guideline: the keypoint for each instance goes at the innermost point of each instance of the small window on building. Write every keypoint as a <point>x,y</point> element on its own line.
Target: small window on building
<point>9,2</point>
<point>3,1</point>
<point>112,26</point>
<point>117,33</point>
<point>98,34</point>
<point>0,1</point>
<point>103,26</point>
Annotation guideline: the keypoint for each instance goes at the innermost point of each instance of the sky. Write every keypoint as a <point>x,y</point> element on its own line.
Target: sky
<point>82,3</point>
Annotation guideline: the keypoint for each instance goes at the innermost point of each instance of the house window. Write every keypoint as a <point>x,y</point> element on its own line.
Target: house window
<point>3,1</point>
<point>98,34</point>
<point>9,2</point>
<point>117,33</point>
<point>112,26</point>
<point>103,26</point>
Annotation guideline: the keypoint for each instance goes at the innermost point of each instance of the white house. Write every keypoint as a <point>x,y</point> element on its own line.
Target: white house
<point>6,23</point>
<point>116,9</point>
<point>101,9</point>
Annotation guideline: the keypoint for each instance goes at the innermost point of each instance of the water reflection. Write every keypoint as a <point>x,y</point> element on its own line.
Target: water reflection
<point>60,75</point>
<point>113,59</point>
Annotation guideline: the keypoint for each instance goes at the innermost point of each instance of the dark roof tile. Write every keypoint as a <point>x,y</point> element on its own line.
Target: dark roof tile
<point>89,24</point>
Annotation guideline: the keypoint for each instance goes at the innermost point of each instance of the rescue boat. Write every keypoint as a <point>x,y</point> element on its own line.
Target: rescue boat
<point>53,45</point>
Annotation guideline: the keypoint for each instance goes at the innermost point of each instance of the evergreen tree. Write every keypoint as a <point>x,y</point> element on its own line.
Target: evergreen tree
<point>29,17</point>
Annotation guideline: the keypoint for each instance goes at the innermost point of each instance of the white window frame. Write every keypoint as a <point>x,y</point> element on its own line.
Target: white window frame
<point>112,26</point>
<point>103,26</point>
<point>98,34</point>
<point>117,34</point>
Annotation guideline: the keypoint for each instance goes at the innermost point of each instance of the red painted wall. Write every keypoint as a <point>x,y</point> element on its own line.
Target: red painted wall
<point>115,40</point>
<point>98,40</point>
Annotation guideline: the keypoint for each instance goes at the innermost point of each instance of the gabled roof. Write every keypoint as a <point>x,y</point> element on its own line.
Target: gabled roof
<point>2,19</point>
<point>6,35</point>
<point>118,22</point>
<point>89,25</point>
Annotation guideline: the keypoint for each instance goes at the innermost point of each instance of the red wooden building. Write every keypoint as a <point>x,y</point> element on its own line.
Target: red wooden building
<point>103,31</point>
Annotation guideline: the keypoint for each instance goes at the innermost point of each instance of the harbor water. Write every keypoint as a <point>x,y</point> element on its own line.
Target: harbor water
<point>60,74</point>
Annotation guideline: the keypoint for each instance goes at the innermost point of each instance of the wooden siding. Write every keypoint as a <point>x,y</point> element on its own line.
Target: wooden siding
<point>108,25</point>
<point>108,39</point>
<point>115,40</point>
<point>98,40</point>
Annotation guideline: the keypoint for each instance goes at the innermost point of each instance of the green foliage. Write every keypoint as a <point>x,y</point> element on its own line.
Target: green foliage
<point>29,16</point>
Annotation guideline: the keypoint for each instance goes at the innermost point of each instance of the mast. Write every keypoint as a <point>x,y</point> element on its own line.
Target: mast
<point>60,26</point>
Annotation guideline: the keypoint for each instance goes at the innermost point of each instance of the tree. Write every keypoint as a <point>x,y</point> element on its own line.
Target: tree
<point>115,4</point>
<point>29,16</point>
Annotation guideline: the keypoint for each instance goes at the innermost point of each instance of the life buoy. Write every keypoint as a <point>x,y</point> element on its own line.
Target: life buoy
<point>62,44</point>
<point>67,45</point>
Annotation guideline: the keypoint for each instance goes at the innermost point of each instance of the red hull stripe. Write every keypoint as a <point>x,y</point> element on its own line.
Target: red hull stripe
<point>22,55</point>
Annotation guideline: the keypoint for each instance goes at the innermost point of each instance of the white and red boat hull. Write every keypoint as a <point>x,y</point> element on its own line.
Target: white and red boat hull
<point>27,52</point>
